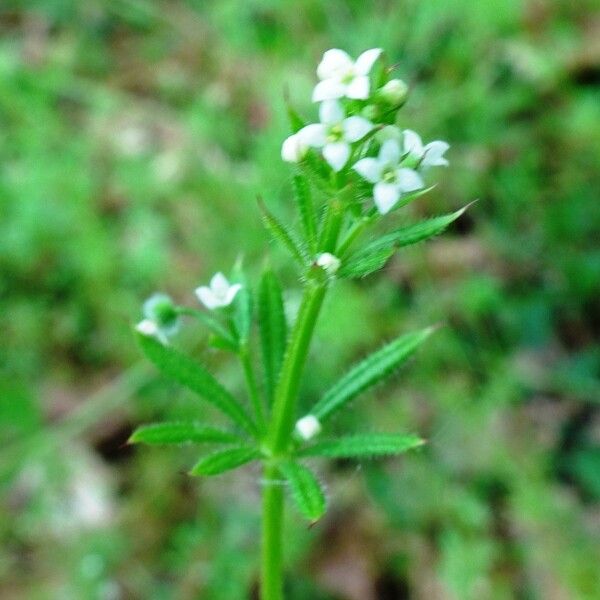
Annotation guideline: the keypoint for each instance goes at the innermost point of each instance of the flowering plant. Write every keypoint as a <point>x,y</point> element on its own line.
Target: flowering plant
<point>352,168</point>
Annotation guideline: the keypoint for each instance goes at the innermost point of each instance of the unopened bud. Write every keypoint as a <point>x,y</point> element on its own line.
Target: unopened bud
<point>292,149</point>
<point>308,427</point>
<point>328,262</point>
<point>394,92</point>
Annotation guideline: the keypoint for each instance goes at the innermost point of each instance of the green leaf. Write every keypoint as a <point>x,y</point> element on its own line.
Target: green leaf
<point>242,304</point>
<point>363,446</point>
<point>178,367</point>
<point>180,433</point>
<point>406,236</point>
<point>365,263</point>
<point>225,460</point>
<point>372,370</point>
<point>305,490</point>
<point>283,235</point>
<point>296,121</point>
<point>306,208</point>
<point>273,328</point>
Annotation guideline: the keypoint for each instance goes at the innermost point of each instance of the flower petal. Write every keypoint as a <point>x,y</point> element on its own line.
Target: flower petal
<point>369,168</point>
<point>409,180</point>
<point>207,297</point>
<point>356,128</point>
<point>334,63</point>
<point>219,284</point>
<point>365,61</point>
<point>358,88</point>
<point>328,89</point>
<point>337,155</point>
<point>390,152</point>
<point>231,293</point>
<point>413,143</point>
<point>312,135</point>
<point>434,154</point>
<point>331,112</point>
<point>385,196</point>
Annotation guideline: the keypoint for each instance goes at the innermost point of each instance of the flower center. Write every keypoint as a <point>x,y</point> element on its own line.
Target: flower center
<point>388,175</point>
<point>335,133</point>
<point>347,77</point>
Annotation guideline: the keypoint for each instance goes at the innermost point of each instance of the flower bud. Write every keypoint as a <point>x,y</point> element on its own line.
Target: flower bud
<point>371,112</point>
<point>292,149</point>
<point>328,262</point>
<point>394,92</point>
<point>160,309</point>
<point>308,427</point>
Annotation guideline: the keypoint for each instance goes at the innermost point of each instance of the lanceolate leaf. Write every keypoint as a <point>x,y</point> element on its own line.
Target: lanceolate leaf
<point>180,433</point>
<point>225,460</point>
<point>306,208</point>
<point>305,489</point>
<point>273,328</point>
<point>365,263</point>
<point>406,236</point>
<point>370,371</point>
<point>363,446</point>
<point>178,367</point>
<point>282,234</point>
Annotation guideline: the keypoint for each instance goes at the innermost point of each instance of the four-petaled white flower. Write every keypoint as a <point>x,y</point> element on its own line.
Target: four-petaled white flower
<point>334,133</point>
<point>150,328</point>
<point>342,77</point>
<point>328,262</point>
<point>220,292</point>
<point>390,179</point>
<point>292,149</point>
<point>308,427</point>
<point>431,155</point>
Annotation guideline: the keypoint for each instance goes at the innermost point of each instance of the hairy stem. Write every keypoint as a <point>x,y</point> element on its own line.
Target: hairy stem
<point>284,404</point>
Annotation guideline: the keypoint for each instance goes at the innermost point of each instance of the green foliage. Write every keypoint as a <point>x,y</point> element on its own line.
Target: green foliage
<point>369,445</point>
<point>306,208</point>
<point>242,304</point>
<point>225,460</point>
<point>180,433</point>
<point>178,367</point>
<point>273,328</point>
<point>369,372</point>
<point>305,490</point>
<point>283,235</point>
<point>366,262</point>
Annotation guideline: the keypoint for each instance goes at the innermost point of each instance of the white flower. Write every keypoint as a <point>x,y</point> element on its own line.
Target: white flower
<point>390,179</point>
<point>328,262</point>
<point>431,155</point>
<point>149,328</point>
<point>334,133</point>
<point>308,427</point>
<point>342,77</point>
<point>220,293</point>
<point>292,149</point>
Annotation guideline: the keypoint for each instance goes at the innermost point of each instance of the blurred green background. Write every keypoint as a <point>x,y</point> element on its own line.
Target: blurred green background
<point>134,137</point>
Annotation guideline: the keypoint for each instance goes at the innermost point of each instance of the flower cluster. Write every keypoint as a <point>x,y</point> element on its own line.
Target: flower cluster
<point>162,316</point>
<point>357,128</point>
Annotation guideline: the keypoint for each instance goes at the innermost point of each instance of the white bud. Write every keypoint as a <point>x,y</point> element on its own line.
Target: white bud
<point>292,149</point>
<point>394,92</point>
<point>328,262</point>
<point>308,427</point>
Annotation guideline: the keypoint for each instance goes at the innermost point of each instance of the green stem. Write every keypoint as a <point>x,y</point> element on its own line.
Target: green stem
<point>272,536</point>
<point>284,403</point>
<point>253,392</point>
